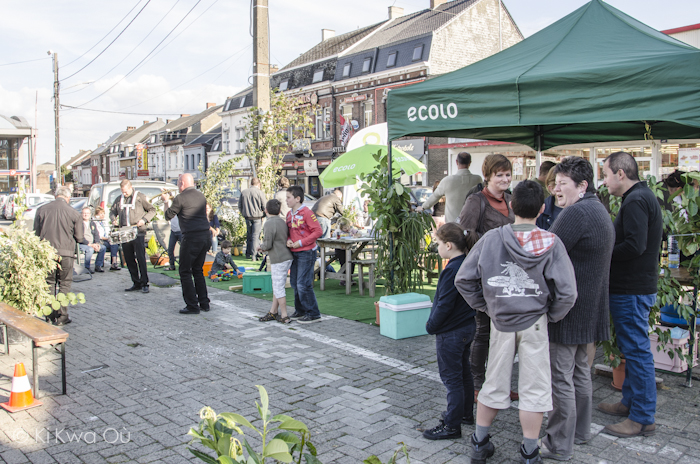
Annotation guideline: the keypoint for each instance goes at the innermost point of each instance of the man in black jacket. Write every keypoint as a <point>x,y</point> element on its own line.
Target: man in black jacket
<point>190,206</point>
<point>62,227</point>
<point>252,207</point>
<point>132,208</point>
<point>633,279</point>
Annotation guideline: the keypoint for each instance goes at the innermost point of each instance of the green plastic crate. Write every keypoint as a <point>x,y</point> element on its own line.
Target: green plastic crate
<point>397,322</point>
<point>257,282</point>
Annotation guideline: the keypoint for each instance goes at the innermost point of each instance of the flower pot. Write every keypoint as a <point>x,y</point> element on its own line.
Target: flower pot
<point>236,252</point>
<point>376,308</point>
<point>619,375</point>
<point>157,260</point>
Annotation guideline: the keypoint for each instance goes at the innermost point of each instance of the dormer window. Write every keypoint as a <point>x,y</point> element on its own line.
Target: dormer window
<point>418,53</point>
<point>391,60</point>
<point>366,65</point>
<point>242,102</point>
<point>346,69</point>
<point>318,76</point>
<point>283,85</point>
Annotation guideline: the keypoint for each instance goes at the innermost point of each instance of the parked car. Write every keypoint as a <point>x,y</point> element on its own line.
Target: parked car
<point>30,200</point>
<point>419,194</point>
<point>230,198</point>
<point>106,193</point>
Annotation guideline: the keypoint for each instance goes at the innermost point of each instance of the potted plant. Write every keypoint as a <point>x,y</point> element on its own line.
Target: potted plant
<point>155,252</point>
<point>25,261</point>
<point>234,225</point>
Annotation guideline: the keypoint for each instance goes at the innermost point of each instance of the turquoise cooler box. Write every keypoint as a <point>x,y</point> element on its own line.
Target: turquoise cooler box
<point>404,316</point>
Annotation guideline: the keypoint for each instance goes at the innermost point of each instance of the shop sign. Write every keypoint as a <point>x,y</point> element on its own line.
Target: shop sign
<point>141,157</point>
<point>310,168</point>
<point>288,164</point>
<point>291,173</point>
<point>323,162</point>
<point>355,99</point>
<point>414,147</point>
<point>142,173</point>
<point>689,159</point>
<point>300,172</point>
<point>338,149</point>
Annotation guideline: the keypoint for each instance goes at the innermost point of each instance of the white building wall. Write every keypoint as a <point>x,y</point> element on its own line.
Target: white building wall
<point>689,37</point>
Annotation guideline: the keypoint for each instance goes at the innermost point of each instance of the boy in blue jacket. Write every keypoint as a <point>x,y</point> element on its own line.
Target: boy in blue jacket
<point>452,322</point>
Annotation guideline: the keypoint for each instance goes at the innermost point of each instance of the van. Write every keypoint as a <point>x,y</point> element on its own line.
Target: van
<point>106,193</point>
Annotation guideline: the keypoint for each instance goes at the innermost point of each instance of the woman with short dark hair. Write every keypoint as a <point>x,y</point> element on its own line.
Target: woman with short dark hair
<point>587,232</point>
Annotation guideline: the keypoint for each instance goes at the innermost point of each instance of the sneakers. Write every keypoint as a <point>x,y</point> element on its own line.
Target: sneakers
<point>99,269</point>
<point>296,315</point>
<point>481,451</point>
<point>145,289</point>
<point>442,432</point>
<point>530,458</point>
<point>308,319</point>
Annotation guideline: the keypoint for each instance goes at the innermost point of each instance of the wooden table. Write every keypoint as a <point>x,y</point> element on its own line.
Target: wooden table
<point>684,278</point>
<point>353,247</point>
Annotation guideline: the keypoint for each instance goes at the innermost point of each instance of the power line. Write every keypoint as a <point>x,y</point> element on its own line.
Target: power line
<point>152,29</point>
<point>110,44</point>
<point>26,61</point>
<point>119,112</point>
<point>144,59</point>
<point>106,35</point>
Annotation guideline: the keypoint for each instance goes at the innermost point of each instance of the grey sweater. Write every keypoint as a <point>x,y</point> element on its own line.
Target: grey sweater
<point>275,234</point>
<point>588,234</point>
<point>514,283</point>
<point>454,188</point>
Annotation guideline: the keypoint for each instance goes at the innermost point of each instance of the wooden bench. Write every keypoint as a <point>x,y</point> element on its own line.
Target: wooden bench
<point>41,333</point>
<point>371,265</point>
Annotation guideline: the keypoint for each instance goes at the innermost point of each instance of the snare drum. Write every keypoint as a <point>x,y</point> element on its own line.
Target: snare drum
<point>123,235</point>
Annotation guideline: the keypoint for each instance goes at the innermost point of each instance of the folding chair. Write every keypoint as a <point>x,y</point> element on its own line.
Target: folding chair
<point>161,230</point>
<point>78,268</point>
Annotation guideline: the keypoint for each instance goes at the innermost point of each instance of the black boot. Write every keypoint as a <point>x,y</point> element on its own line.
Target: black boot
<point>482,450</point>
<point>442,432</point>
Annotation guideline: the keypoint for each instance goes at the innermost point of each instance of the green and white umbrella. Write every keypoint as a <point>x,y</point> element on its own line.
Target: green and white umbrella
<point>354,163</point>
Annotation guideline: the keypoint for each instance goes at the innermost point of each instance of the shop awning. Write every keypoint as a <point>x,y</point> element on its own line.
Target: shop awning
<point>596,75</point>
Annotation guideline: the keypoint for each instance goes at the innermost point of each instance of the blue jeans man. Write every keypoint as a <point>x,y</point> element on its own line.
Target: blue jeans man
<point>89,251</point>
<point>630,315</point>
<point>301,278</point>
<point>253,228</point>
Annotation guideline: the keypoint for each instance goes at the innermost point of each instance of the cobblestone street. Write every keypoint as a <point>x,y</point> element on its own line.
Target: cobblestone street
<point>139,372</point>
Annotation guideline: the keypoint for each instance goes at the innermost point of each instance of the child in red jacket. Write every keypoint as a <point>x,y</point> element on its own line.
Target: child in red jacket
<point>304,229</point>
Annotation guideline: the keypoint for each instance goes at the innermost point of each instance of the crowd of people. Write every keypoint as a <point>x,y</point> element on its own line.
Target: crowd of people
<point>540,276</point>
<point>537,271</point>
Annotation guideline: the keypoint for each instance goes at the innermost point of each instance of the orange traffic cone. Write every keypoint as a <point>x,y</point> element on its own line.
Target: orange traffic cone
<point>21,396</point>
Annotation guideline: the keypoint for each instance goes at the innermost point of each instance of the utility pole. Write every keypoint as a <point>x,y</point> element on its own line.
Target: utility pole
<point>261,56</point>
<point>56,108</point>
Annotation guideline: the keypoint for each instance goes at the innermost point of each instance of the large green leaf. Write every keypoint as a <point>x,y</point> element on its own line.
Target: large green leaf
<point>311,459</point>
<point>252,455</point>
<point>224,445</point>
<point>238,419</point>
<point>265,401</point>
<point>204,457</point>
<point>372,460</point>
<point>288,437</point>
<point>277,449</point>
<point>293,424</point>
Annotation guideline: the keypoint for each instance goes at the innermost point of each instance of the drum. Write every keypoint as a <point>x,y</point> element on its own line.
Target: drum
<point>123,235</point>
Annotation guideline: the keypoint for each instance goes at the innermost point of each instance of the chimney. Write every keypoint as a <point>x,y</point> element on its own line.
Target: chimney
<point>145,122</point>
<point>395,12</point>
<point>274,68</point>
<point>436,3</point>
<point>211,105</point>
<point>168,121</point>
<point>130,128</point>
<point>184,115</point>
<point>327,34</point>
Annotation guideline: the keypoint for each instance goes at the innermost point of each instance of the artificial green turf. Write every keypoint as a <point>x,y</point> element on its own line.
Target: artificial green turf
<point>332,301</point>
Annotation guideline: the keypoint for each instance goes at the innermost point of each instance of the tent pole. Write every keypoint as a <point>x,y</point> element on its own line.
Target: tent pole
<point>391,235</point>
<point>538,155</point>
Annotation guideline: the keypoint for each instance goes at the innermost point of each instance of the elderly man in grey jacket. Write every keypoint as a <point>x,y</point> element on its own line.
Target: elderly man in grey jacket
<point>454,188</point>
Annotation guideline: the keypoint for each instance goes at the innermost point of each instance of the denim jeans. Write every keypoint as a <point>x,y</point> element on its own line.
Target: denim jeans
<point>301,278</point>
<point>113,251</point>
<point>174,238</point>
<point>253,227</point>
<point>325,224</point>
<point>630,315</point>
<point>89,252</point>
<point>455,371</point>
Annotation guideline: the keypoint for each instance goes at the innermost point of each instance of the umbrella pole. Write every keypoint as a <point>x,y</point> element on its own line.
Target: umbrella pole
<point>391,234</point>
<point>538,155</point>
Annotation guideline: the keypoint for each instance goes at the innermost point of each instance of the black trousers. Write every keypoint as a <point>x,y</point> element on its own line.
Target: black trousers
<point>193,252</point>
<point>135,257</point>
<point>480,348</point>
<point>60,281</point>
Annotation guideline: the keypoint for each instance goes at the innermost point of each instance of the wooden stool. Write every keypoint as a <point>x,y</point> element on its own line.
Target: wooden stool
<point>370,264</point>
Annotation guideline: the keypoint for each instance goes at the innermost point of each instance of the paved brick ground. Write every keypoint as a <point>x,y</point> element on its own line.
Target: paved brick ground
<point>359,392</point>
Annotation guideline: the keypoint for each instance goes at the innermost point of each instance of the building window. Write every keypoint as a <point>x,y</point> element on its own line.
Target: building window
<point>242,102</point>
<point>199,160</point>
<point>240,139</point>
<point>283,85</point>
<point>346,69</point>
<point>391,60</point>
<point>347,112</point>
<point>319,125</point>
<point>418,53</point>
<point>318,76</point>
<point>366,65</point>
<point>327,123</point>
<point>368,113</point>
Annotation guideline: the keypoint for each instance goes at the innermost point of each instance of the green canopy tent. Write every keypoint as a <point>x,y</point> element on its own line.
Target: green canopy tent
<point>596,75</point>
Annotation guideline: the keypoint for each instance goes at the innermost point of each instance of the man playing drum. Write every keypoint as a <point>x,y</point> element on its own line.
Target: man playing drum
<point>132,208</point>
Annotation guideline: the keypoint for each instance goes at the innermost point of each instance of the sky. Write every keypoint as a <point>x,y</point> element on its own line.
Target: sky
<point>177,55</point>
